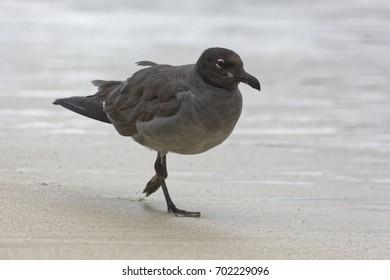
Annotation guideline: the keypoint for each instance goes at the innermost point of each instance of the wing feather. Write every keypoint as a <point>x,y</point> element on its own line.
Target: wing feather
<point>149,93</point>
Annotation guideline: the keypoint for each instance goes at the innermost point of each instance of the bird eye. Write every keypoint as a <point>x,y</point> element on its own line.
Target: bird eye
<point>220,63</point>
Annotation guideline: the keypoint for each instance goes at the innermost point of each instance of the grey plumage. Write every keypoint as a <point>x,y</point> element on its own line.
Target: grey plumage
<point>185,109</point>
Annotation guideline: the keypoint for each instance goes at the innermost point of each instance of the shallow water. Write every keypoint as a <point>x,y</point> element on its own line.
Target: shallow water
<point>324,67</point>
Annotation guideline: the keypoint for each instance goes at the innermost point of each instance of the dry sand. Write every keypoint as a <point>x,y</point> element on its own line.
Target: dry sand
<point>73,197</point>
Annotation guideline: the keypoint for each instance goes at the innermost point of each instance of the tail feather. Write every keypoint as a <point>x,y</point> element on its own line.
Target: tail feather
<point>87,106</point>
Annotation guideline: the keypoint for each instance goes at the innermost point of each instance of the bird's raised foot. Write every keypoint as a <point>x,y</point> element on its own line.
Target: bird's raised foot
<point>152,186</point>
<point>182,213</point>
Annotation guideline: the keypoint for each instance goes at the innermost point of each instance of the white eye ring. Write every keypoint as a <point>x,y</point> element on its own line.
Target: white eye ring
<point>220,63</point>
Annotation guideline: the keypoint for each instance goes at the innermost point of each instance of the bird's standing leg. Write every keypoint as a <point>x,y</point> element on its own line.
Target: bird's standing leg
<point>161,172</point>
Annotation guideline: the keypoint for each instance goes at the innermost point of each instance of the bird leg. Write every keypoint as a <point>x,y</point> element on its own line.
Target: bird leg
<point>154,183</point>
<point>161,172</point>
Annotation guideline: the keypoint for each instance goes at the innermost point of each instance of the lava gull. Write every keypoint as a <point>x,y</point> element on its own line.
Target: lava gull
<point>186,109</point>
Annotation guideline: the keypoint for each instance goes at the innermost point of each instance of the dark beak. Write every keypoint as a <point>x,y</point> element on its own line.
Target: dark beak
<point>247,78</point>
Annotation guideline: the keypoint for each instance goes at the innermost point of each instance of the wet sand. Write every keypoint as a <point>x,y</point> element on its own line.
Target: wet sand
<point>304,176</point>
<point>74,197</point>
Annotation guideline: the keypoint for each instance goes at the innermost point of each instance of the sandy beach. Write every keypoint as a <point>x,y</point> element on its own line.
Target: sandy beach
<point>305,175</point>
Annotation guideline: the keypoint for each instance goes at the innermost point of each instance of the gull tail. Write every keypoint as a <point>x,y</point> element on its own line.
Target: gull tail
<point>88,106</point>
